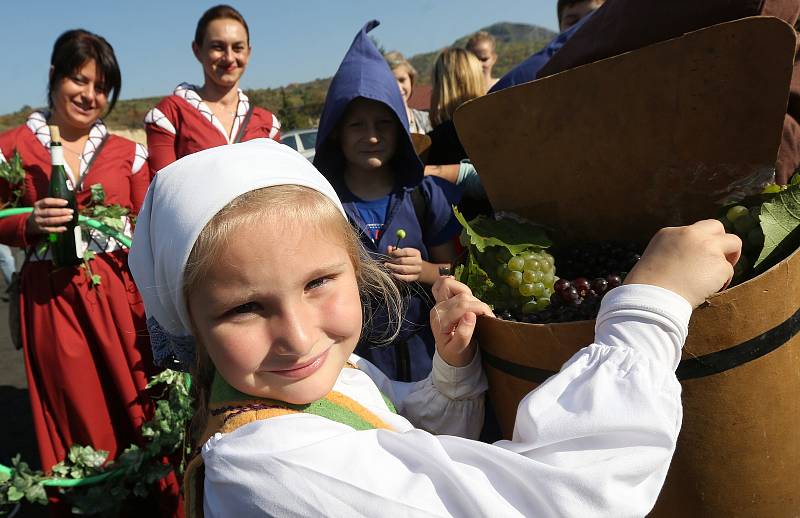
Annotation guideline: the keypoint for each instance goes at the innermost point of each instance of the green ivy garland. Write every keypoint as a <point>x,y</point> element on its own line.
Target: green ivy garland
<point>94,487</point>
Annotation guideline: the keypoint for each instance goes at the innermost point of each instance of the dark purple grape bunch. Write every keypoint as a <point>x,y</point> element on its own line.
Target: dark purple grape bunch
<point>595,260</point>
<point>579,298</point>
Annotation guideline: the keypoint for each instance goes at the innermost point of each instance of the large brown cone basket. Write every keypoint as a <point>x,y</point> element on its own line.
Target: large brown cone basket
<point>617,149</point>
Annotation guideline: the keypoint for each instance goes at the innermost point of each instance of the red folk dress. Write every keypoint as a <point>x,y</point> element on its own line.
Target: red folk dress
<point>87,351</point>
<point>182,124</point>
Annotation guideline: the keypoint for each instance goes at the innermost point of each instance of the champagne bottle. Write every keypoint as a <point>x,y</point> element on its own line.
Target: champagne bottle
<point>66,247</point>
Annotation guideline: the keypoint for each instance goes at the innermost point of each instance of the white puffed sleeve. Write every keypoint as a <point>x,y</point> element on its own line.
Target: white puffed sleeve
<point>596,439</point>
<point>449,401</point>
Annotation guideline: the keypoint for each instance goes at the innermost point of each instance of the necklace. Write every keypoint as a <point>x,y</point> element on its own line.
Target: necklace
<point>76,153</point>
<point>224,110</point>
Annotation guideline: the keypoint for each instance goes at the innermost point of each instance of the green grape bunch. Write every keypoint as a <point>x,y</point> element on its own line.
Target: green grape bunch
<point>744,222</point>
<point>530,275</point>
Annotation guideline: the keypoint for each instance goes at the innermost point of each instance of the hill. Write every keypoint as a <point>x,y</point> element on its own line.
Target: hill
<point>299,105</point>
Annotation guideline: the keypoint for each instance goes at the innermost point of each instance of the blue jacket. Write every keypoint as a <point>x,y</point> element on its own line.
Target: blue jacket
<point>528,69</point>
<point>364,73</point>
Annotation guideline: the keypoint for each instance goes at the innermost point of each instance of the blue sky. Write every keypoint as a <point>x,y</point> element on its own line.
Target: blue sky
<point>293,40</point>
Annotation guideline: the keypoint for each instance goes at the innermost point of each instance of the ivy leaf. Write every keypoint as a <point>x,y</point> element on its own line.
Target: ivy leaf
<point>15,495</point>
<point>96,280</point>
<point>516,236</point>
<point>36,494</point>
<point>12,171</point>
<point>60,469</point>
<point>98,193</point>
<point>780,219</point>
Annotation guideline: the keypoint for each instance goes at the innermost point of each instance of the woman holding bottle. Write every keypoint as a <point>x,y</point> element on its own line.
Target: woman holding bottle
<point>83,331</point>
<point>195,118</point>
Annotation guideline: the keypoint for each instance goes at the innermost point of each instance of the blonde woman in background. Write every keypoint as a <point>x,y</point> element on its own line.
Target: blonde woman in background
<point>483,44</point>
<point>406,75</point>
<point>457,78</point>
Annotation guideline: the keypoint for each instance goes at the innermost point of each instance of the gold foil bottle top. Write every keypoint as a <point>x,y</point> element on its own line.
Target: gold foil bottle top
<point>55,134</point>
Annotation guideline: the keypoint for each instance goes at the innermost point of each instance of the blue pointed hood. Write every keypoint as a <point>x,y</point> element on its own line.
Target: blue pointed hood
<point>364,73</point>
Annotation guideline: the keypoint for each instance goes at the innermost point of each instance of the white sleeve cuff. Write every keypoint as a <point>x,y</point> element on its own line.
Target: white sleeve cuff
<point>646,316</point>
<point>457,383</point>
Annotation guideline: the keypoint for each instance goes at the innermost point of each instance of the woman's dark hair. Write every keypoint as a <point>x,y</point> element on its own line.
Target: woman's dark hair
<point>72,50</point>
<point>218,12</point>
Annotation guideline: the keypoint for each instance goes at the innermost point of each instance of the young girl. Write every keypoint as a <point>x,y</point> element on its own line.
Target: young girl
<point>258,285</point>
<point>406,75</point>
<point>365,151</point>
<point>217,113</point>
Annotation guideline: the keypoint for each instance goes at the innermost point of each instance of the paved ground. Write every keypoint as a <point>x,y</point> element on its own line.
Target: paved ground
<point>16,432</point>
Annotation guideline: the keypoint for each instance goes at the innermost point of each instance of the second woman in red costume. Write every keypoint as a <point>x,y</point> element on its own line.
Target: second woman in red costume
<point>218,113</point>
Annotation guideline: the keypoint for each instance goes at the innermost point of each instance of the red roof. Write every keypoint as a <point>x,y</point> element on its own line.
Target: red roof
<point>420,97</point>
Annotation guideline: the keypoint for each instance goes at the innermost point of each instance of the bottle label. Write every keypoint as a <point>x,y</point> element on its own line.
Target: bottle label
<point>56,155</point>
<point>79,246</point>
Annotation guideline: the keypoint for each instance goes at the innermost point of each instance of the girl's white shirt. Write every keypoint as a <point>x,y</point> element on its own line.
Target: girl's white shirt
<point>594,440</point>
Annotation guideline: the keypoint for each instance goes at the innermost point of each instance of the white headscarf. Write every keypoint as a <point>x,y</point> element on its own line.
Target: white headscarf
<point>182,199</point>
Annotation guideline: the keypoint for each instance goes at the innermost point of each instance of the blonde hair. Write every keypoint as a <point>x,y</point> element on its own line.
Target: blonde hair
<point>397,60</point>
<point>478,38</point>
<point>284,203</point>
<point>457,78</point>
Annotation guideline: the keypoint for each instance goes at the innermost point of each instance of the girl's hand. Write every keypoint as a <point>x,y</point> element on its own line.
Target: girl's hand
<point>48,217</point>
<point>453,320</point>
<point>406,263</point>
<point>694,261</point>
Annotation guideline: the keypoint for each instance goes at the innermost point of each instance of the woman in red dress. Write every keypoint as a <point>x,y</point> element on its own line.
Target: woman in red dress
<point>217,113</point>
<point>87,351</point>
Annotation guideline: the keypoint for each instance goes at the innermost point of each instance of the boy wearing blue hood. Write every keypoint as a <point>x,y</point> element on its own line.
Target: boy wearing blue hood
<point>365,150</point>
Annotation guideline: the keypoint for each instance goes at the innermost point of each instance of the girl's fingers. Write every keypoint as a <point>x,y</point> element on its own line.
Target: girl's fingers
<point>712,226</point>
<point>404,252</point>
<point>404,269</point>
<point>406,278</point>
<point>461,335</point>
<point>407,260</point>
<point>731,247</point>
<point>446,315</point>
<point>447,287</point>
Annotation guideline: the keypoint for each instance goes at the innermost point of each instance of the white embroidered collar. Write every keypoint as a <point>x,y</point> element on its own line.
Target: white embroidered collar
<point>37,123</point>
<point>189,93</point>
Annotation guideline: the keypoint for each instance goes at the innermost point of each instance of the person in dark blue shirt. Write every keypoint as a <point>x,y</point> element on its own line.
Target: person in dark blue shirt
<point>528,69</point>
<point>365,150</point>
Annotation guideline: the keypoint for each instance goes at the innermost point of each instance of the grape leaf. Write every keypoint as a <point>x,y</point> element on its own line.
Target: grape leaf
<point>471,274</point>
<point>780,219</point>
<point>515,236</point>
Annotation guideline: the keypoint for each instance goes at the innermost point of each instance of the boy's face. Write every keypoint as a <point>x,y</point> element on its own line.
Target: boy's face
<point>368,134</point>
<point>279,312</point>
